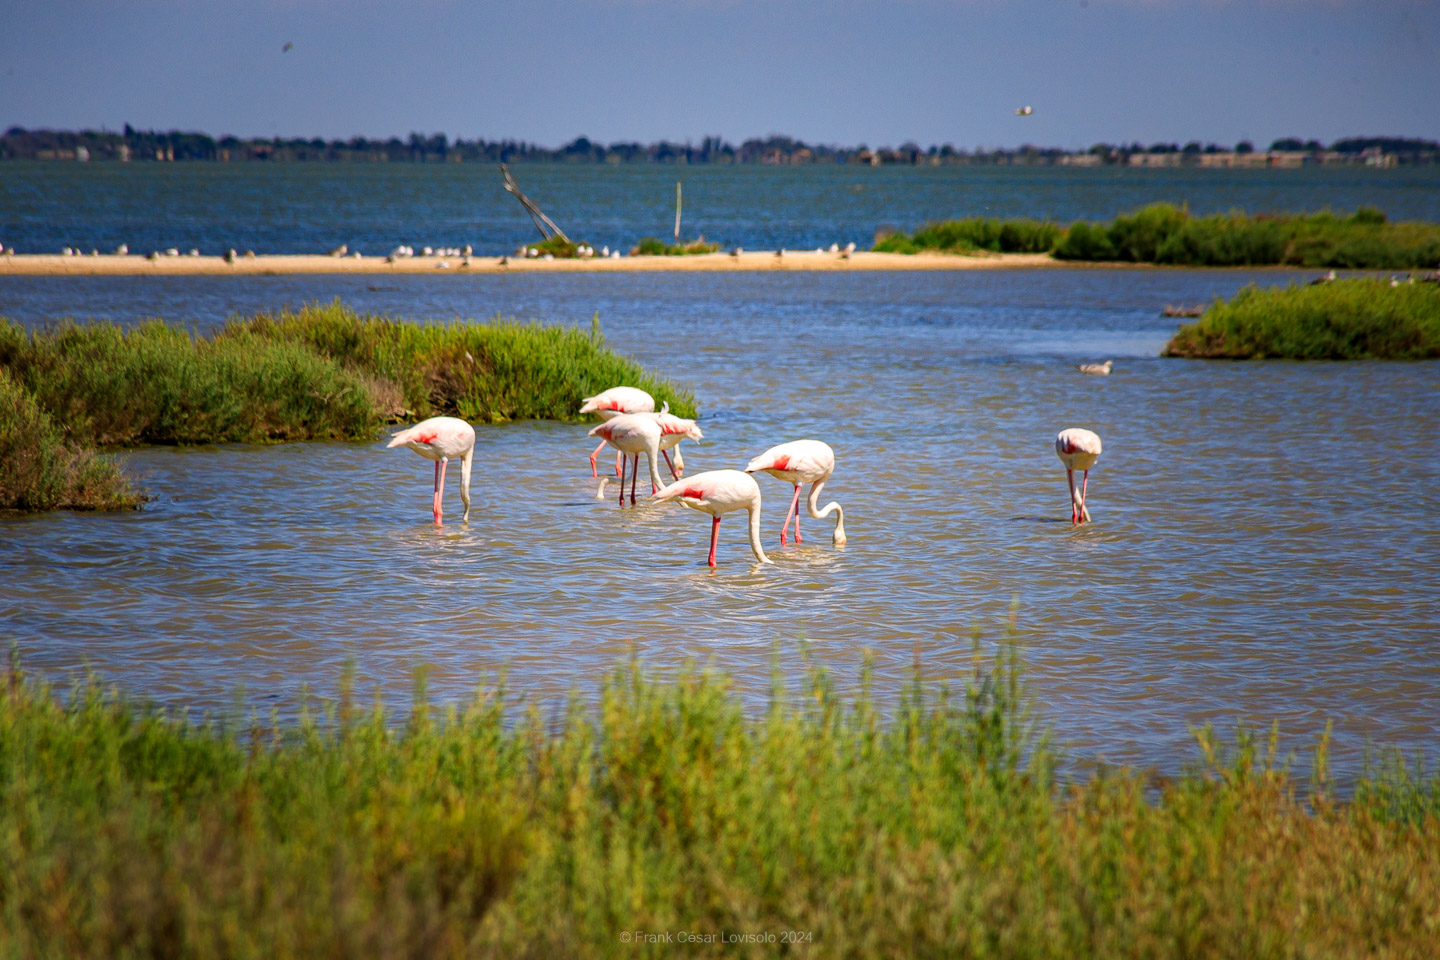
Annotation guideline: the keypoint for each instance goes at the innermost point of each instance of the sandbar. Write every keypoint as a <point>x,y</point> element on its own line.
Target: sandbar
<point>60,265</point>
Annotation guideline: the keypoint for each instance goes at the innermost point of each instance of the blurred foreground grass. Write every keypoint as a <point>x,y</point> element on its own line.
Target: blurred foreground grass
<point>935,828</point>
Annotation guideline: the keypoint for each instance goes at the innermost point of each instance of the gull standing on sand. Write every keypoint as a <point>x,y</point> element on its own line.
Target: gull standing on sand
<point>1098,369</point>
<point>439,439</point>
<point>800,462</point>
<point>716,492</point>
<point>611,403</point>
<point>1078,449</point>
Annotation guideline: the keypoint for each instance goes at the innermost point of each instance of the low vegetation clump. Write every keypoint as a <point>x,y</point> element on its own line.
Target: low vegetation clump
<point>1349,319</point>
<point>40,470</point>
<point>558,247</point>
<point>973,235</point>
<point>1167,234</point>
<point>665,810</point>
<point>655,247</point>
<point>322,372</point>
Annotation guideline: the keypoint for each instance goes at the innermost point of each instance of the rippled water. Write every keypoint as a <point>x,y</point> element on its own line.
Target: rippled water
<point>1264,546</point>
<point>299,208</point>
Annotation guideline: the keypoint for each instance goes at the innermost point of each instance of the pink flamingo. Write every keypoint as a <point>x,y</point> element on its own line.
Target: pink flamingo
<point>633,434</point>
<point>1078,449</point>
<point>800,462</point>
<point>439,439</point>
<point>613,403</point>
<point>673,429</point>
<point>716,492</point>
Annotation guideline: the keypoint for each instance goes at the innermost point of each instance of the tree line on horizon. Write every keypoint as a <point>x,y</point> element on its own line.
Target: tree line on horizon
<point>17,143</point>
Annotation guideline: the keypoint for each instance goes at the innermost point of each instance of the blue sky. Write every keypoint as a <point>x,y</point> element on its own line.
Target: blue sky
<point>844,72</point>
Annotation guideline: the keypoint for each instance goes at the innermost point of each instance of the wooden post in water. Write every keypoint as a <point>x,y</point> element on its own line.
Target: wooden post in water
<point>677,211</point>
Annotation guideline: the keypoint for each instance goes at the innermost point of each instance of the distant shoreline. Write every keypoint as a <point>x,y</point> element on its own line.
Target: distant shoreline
<point>108,265</point>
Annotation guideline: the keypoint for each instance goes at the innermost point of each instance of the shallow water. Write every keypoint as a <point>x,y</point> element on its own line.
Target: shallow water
<point>1264,543</point>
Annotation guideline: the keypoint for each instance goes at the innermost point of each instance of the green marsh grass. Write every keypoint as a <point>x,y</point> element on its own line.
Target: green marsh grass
<point>40,470</point>
<point>655,247</point>
<point>1347,319</point>
<point>322,372</point>
<point>1168,234</point>
<point>934,828</point>
<point>975,234</point>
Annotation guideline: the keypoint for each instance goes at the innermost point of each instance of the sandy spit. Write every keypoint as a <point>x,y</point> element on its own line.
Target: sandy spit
<point>58,265</point>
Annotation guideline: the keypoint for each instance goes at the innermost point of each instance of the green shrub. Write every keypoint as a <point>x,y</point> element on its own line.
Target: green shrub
<point>972,234</point>
<point>655,247</point>
<point>323,372</point>
<point>39,470</point>
<point>1342,320</point>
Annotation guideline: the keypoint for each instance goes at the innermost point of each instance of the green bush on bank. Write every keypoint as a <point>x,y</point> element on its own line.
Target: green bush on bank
<point>322,372</point>
<point>1168,234</point>
<point>39,470</point>
<point>975,234</point>
<point>935,829</point>
<point>655,247</point>
<point>1349,319</point>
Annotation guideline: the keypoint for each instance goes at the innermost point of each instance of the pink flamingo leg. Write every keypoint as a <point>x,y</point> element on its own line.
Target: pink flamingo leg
<point>797,514</point>
<point>794,507</point>
<point>593,471</point>
<point>714,537</point>
<point>666,455</point>
<point>634,471</point>
<point>439,489</point>
<point>622,487</point>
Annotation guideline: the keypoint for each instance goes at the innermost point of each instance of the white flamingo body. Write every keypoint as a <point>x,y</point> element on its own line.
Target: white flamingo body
<point>718,492</point>
<point>799,462</point>
<point>440,439</point>
<point>616,401</point>
<point>1078,449</point>
<point>633,434</point>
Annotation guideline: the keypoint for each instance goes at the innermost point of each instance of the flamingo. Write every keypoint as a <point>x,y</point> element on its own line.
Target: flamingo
<point>633,433</point>
<point>1078,449</point>
<point>673,429</point>
<point>439,439</point>
<point>612,403</point>
<point>800,462</point>
<point>716,492</point>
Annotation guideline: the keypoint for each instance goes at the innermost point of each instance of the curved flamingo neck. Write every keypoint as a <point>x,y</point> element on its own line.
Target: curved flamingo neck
<point>755,547</point>
<point>832,507</point>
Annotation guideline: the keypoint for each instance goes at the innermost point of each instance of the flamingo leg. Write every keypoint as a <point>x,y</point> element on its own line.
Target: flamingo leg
<point>1084,510</point>
<point>619,467</point>
<point>593,471</point>
<point>794,507</point>
<point>622,486</point>
<point>669,463</point>
<point>439,488</point>
<point>797,514</point>
<point>634,472</point>
<point>1070,481</point>
<point>714,537</point>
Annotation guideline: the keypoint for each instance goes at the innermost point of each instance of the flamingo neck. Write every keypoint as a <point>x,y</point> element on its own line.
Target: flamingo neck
<point>829,508</point>
<point>465,465</point>
<point>755,547</point>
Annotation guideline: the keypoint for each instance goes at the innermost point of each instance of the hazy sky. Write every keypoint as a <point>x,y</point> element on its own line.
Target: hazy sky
<point>846,71</point>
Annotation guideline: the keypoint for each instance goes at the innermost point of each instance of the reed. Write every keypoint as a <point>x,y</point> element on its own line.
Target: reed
<point>664,807</point>
<point>1164,233</point>
<point>1348,319</point>
<point>322,372</point>
<point>39,470</point>
<point>655,247</point>
<point>974,234</point>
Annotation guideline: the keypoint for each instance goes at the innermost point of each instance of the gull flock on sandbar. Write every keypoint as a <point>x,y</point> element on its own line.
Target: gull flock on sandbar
<point>630,424</point>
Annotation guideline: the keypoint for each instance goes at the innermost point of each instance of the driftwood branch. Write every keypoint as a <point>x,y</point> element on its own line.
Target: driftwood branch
<point>542,222</point>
